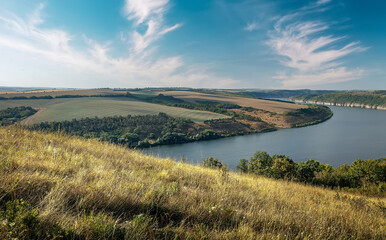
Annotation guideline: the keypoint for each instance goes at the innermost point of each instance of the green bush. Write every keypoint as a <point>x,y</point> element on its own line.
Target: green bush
<point>212,163</point>
<point>366,177</point>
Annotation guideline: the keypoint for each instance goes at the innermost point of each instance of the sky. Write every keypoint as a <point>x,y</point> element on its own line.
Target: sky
<point>264,44</point>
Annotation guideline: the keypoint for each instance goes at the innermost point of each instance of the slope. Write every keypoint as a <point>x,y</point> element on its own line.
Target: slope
<point>85,189</point>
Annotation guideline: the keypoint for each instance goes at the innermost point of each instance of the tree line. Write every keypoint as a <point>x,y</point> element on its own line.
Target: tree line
<point>132,131</point>
<point>377,98</point>
<point>366,177</point>
<point>12,115</point>
<point>210,106</point>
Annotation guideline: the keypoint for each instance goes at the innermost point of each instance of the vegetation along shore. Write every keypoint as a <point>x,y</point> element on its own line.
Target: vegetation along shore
<point>368,99</point>
<point>160,117</point>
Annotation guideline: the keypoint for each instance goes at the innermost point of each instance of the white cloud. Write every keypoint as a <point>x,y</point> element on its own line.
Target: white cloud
<point>151,14</point>
<point>321,2</point>
<point>328,76</point>
<point>251,26</point>
<point>142,10</point>
<point>311,54</point>
<point>138,68</point>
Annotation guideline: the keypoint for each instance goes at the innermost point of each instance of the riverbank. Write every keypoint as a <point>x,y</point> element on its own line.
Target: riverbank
<point>153,130</point>
<point>350,134</point>
<point>191,117</point>
<point>365,99</point>
<point>356,105</point>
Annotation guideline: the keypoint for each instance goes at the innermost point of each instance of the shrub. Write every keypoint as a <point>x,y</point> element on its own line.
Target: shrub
<point>212,163</point>
<point>283,167</point>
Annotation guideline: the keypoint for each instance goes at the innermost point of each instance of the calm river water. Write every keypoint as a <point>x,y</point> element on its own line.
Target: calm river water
<point>350,134</point>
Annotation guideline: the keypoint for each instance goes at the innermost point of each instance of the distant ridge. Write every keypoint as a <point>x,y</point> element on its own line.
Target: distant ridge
<point>20,89</point>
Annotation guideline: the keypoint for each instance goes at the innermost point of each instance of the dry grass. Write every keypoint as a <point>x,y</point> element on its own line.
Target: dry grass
<point>271,106</point>
<point>102,191</point>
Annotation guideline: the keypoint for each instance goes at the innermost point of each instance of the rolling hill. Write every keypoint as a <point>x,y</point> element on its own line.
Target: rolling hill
<point>55,186</point>
<point>60,109</point>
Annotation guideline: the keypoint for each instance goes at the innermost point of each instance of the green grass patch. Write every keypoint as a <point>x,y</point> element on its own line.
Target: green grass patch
<point>77,108</point>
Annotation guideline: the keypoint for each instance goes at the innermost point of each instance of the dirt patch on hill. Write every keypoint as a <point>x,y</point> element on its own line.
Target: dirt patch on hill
<point>30,119</point>
<point>290,119</point>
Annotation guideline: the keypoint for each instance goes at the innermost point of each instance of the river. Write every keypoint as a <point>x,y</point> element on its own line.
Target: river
<point>350,134</point>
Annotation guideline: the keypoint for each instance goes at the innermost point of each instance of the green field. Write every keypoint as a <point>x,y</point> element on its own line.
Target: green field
<point>70,108</point>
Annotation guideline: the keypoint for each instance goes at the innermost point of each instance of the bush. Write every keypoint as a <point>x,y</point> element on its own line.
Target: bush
<point>306,170</point>
<point>366,177</point>
<point>212,163</point>
<point>243,165</point>
<point>283,167</point>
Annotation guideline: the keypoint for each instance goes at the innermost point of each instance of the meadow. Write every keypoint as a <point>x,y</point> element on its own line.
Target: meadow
<point>60,109</point>
<point>266,105</point>
<point>61,92</point>
<point>55,186</point>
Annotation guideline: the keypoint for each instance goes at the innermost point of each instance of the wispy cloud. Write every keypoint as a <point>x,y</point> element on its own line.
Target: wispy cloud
<point>142,10</point>
<point>151,14</point>
<point>321,2</point>
<point>137,68</point>
<point>252,26</point>
<point>311,54</point>
<point>331,75</point>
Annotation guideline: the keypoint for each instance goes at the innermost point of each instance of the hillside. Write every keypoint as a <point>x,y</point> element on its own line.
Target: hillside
<point>279,93</point>
<point>212,114</point>
<point>265,105</point>
<point>369,99</point>
<point>85,189</point>
<point>61,109</point>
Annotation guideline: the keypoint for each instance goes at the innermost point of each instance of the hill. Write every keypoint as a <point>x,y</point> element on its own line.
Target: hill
<point>61,109</point>
<point>280,93</point>
<point>265,105</point>
<point>367,99</point>
<point>212,114</point>
<point>69,188</point>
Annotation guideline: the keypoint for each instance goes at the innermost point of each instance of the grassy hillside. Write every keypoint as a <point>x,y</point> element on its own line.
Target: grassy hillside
<point>61,109</point>
<point>280,93</point>
<point>266,105</point>
<point>84,189</point>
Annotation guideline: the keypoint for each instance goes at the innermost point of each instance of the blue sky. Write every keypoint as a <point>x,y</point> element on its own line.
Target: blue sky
<point>288,44</point>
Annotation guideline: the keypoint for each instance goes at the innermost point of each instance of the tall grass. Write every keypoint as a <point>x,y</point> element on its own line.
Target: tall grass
<point>85,189</point>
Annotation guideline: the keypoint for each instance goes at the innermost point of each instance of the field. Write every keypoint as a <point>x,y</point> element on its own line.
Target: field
<point>69,108</point>
<point>85,189</point>
<point>60,92</point>
<point>271,106</point>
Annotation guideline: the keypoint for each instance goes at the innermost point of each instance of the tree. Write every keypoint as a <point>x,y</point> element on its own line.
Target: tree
<point>260,163</point>
<point>306,170</point>
<point>243,165</point>
<point>283,167</point>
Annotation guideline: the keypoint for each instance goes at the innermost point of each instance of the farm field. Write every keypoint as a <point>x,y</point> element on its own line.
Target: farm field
<point>69,108</point>
<point>61,92</point>
<point>271,106</point>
